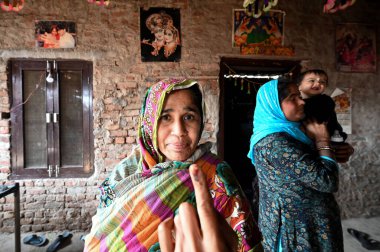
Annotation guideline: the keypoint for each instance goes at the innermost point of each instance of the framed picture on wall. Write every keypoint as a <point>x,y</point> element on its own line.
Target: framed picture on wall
<point>343,110</point>
<point>55,34</point>
<point>160,34</point>
<point>355,48</point>
<point>266,30</point>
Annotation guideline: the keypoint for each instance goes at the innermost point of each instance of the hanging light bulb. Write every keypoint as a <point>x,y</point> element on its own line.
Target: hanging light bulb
<point>49,78</point>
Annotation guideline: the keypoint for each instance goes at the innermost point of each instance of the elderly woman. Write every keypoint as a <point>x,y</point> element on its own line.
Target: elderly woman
<point>149,185</point>
<point>297,174</point>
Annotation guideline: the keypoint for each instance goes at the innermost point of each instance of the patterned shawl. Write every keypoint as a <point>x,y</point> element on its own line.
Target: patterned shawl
<point>142,191</point>
<point>269,118</point>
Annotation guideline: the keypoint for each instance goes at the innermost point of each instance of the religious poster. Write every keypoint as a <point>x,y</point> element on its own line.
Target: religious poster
<point>55,34</point>
<point>356,48</point>
<point>342,99</point>
<point>266,30</point>
<point>160,34</point>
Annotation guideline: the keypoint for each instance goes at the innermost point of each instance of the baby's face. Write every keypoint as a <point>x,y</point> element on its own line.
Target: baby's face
<point>312,84</point>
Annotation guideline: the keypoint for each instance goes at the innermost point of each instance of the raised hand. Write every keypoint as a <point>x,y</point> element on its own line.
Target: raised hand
<point>205,231</point>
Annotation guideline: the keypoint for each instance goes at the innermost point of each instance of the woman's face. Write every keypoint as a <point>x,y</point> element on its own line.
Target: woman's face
<point>179,126</point>
<point>54,31</point>
<point>293,105</point>
<point>169,36</point>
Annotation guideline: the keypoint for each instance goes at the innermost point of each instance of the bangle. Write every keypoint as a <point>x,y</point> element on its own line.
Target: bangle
<point>322,144</point>
<point>325,148</point>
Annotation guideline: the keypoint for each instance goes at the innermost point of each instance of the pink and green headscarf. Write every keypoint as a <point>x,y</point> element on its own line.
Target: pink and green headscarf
<point>149,115</point>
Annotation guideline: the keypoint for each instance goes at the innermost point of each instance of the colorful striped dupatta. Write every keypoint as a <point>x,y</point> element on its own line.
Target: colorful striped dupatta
<point>130,223</point>
<point>143,190</point>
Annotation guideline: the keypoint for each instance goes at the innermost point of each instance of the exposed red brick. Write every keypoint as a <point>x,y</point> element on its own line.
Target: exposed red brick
<point>126,85</point>
<point>118,133</point>
<point>119,140</point>
<point>5,169</point>
<point>113,107</point>
<point>4,130</point>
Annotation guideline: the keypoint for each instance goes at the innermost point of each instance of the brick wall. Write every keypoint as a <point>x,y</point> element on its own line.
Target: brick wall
<point>110,38</point>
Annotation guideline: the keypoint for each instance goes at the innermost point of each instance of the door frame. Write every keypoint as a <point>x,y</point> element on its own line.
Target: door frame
<point>249,65</point>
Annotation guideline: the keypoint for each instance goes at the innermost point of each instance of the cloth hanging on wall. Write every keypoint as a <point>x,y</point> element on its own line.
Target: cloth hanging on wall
<point>100,2</point>
<point>253,7</point>
<point>12,5</point>
<point>332,6</point>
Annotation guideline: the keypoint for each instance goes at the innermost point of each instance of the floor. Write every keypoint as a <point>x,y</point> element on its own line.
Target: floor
<point>75,244</point>
<point>370,226</point>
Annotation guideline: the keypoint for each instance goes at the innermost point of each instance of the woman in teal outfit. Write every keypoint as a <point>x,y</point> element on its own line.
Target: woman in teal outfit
<point>297,174</point>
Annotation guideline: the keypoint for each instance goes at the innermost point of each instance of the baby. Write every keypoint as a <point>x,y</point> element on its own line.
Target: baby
<point>312,84</point>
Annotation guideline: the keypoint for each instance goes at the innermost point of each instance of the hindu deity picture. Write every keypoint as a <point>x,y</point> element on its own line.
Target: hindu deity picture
<point>266,30</point>
<point>160,34</point>
<point>355,48</point>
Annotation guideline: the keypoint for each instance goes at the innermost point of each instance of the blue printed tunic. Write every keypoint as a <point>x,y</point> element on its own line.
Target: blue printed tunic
<point>297,205</point>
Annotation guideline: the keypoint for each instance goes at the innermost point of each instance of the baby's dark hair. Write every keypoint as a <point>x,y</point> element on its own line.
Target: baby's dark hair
<point>311,71</point>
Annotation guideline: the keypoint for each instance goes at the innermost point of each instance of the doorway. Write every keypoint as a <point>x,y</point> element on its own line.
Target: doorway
<point>237,104</point>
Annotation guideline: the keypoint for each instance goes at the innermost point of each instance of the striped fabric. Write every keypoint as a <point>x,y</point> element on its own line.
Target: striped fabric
<point>143,190</point>
<point>130,223</point>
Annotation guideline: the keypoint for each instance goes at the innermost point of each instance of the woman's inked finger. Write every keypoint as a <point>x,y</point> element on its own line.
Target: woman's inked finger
<point>205,206</point>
